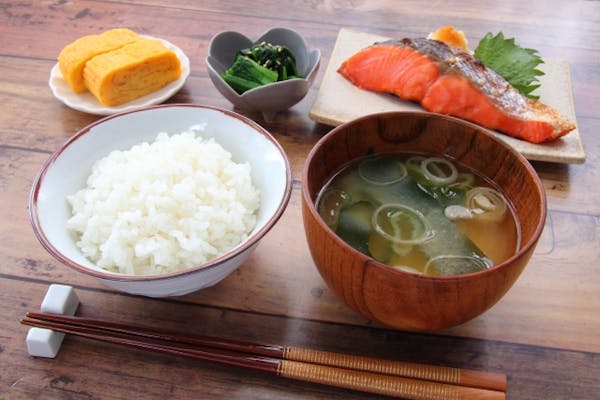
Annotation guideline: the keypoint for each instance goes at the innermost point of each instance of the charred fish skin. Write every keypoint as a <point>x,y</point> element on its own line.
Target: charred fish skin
<point>452,60</point>
<point>448,80</point>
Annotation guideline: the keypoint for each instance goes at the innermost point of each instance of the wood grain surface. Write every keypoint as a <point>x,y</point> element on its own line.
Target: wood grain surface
<point>544,334</point>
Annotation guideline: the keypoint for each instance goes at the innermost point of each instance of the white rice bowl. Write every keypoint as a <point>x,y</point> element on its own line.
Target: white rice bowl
<point>68,169</point>
<point>164,206</point>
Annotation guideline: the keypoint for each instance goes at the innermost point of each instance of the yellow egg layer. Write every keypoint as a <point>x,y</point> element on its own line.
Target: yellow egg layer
<point>130,72</point>
<point>74,56</point>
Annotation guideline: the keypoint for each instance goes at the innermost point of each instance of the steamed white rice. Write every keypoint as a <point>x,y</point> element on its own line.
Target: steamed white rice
<point>164,206</point>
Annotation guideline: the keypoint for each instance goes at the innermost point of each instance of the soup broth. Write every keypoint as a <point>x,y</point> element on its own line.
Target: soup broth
<point>422,214</point>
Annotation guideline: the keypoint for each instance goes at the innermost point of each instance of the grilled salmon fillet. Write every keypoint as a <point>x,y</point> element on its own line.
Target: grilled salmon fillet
<point>448,80</point>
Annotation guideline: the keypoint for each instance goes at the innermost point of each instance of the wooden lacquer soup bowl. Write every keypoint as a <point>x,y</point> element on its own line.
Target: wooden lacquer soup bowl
<point>406,300</point>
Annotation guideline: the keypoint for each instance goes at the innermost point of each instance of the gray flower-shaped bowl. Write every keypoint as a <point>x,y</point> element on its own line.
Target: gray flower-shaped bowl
<point>273,97</point>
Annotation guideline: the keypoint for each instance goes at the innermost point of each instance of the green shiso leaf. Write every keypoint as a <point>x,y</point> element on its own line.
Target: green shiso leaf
<point>516,64</point>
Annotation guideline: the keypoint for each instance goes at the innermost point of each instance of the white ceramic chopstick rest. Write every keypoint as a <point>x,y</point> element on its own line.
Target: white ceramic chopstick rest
<point>59,299</point>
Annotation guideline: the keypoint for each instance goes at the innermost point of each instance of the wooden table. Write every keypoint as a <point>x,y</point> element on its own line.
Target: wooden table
<point>544,334</point>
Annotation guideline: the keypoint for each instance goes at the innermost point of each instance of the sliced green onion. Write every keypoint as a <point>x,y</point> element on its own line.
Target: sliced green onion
<point>413,167</point>
<point>401,224</point>
<point>439,178</point>
<point>414,162</point>
<point>486,203</point>
<point>382,170</point>
<point>456,265</point>
<point>439,171</point>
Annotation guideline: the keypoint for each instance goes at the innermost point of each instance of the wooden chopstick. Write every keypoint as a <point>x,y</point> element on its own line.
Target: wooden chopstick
<point>463,377</point>
<point>351,372</point>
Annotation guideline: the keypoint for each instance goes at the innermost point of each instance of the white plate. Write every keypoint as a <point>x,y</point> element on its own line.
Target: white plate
<point>339,101</point>
<point>86,101</point>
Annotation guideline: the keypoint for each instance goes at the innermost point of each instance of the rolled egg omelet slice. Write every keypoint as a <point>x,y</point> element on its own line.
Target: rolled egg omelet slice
<point>74,56</point>
<point>130,72</point>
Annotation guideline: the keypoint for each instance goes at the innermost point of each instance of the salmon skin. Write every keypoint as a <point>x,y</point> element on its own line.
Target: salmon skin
<point>448,80</point>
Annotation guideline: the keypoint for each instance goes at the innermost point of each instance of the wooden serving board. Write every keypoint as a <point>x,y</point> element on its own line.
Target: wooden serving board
<point>339,101</point>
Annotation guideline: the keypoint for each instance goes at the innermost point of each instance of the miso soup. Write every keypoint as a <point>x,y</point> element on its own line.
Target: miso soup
<point>423,214</point>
